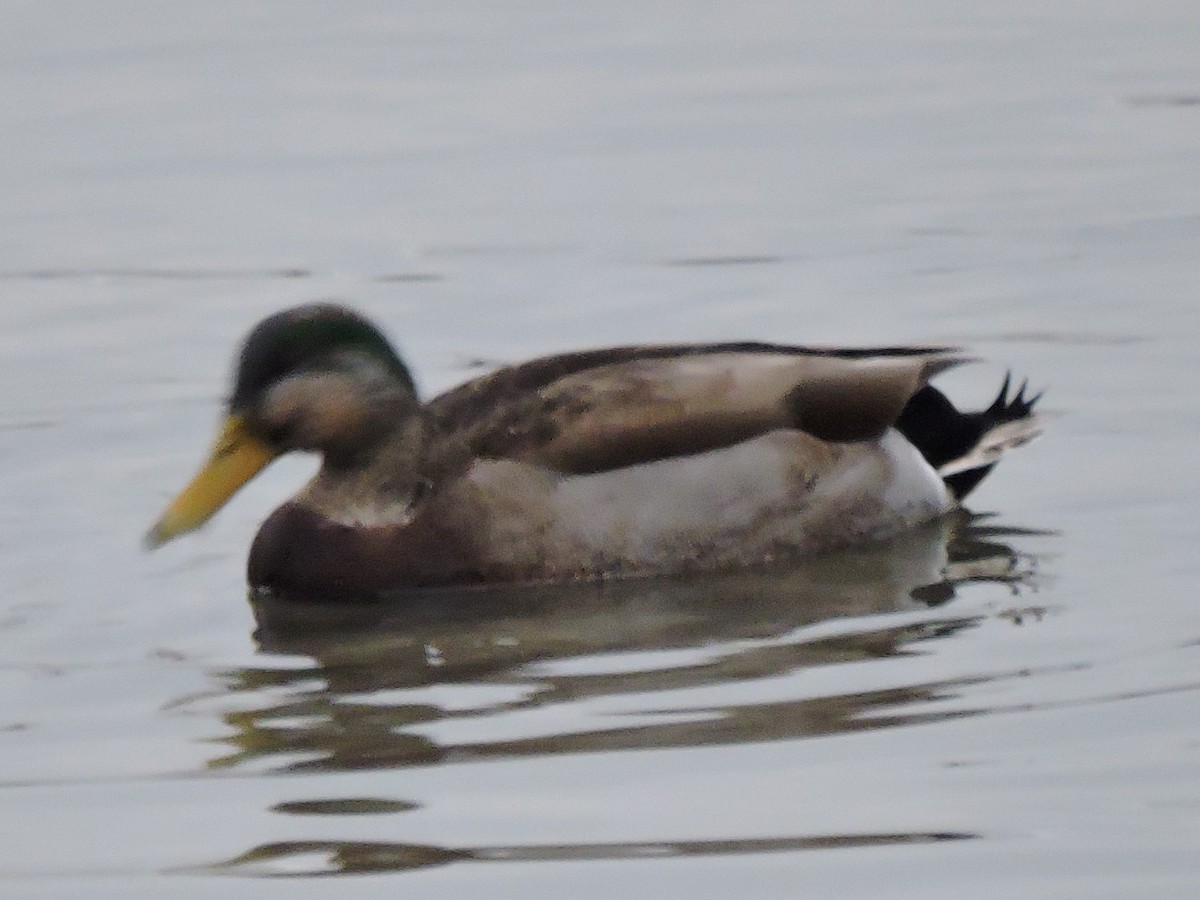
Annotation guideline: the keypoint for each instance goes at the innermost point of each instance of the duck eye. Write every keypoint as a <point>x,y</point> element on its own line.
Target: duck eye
<point>281,433</point>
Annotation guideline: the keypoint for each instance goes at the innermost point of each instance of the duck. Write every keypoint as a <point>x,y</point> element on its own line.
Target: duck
<point>645,460</point>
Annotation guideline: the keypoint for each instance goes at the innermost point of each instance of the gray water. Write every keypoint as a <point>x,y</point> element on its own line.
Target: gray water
<point>1006,706</point>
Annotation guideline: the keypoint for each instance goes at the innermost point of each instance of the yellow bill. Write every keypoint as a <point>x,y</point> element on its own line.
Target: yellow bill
<point>236,458</point>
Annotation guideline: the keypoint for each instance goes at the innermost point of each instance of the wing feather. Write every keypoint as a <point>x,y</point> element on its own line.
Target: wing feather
<point>634,409</point>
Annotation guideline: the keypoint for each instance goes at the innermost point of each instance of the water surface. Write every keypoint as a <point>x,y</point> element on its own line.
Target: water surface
<point>1004,706</point>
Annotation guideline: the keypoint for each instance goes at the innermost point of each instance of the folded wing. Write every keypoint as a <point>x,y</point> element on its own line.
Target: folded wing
<point>593,412</point>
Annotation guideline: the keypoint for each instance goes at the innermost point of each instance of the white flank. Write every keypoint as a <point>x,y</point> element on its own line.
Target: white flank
<point>635,510</point>
<point>784,492</point>
<point>748,501</point>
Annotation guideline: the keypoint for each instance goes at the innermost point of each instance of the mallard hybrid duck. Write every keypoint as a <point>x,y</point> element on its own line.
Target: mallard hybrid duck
<point>623,461</point>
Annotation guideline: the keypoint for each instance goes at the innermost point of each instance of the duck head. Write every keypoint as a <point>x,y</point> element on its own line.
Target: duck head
<point>317,378</point>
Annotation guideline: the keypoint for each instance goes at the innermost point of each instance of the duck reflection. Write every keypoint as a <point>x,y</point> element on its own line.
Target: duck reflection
<point>308,858</point>
<point>517,671</point>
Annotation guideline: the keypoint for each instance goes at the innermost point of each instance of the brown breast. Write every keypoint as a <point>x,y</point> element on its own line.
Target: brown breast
<point>300,555</point>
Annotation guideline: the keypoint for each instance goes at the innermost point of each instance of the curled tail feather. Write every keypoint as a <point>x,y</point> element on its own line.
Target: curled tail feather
<point>964,446</point>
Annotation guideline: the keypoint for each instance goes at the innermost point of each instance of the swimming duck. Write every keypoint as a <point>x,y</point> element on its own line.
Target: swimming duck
<point>622,461</point>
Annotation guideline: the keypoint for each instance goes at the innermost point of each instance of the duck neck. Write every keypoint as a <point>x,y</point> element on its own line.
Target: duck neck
<point>379,483</point>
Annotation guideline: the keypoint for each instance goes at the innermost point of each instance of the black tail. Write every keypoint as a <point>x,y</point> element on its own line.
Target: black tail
<point>944,435</point>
